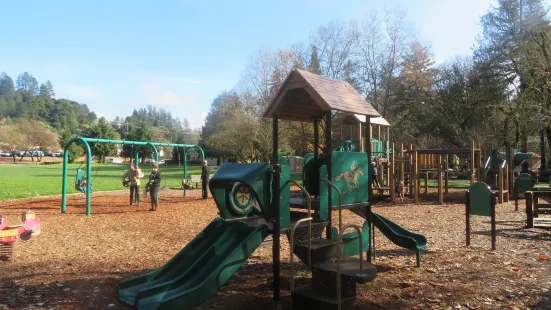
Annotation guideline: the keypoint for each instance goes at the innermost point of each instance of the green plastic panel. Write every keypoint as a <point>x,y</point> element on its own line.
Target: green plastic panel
<point>324,194</point>
<point>524,183</point>
<point>256,176</point>
<point>520,157</point>
<point>310,173</point>
<point>350,173</point>
<point>350,146</point>
<point>479,199</point>
<point>350,240</point>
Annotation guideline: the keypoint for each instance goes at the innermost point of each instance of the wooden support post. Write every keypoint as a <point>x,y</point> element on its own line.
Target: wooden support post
<point>389,179</point>
<point>380,173</point>
<point>500,184</point>
<point>379,129</point>
<point>426,175</point>
<point>472,162</point>
<point>411,173</point>
<point>511,170</point>
<point>467,218</point>
<point>515,194</point>
<point>342,131</point>
<point>506,183</point>
<point>440,191</point>
<point>391,173</point>
<point>360,140</point>
<point>416,177</point>
<point>493,219</point>
<point>371,139</point>
<point>529,210</point>
<point>447,177</point>
<point>401,163</point>
<point>480,162</point>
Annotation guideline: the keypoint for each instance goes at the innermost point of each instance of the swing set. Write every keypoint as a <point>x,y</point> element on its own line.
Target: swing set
<point>83,180</point>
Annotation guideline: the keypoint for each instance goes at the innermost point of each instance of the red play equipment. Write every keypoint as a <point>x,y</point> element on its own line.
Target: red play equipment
<point>10,234</point>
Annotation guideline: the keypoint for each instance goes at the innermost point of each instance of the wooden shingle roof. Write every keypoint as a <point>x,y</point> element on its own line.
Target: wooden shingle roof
<point>306,96</point>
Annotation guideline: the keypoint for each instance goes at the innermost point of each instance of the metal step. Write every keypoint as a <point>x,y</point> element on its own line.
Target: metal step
<point>349,268</point>
<point>322,250</point>
<point>306,298</point>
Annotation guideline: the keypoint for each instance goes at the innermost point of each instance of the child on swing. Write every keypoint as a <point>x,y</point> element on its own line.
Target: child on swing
<point>186,185</point>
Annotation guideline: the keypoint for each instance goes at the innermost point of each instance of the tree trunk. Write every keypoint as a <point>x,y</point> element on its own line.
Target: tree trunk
<point>543,164</point>
<point>524,149</point>
<point>505,129</point>
<point>548,133</point>
<point>517,132</point>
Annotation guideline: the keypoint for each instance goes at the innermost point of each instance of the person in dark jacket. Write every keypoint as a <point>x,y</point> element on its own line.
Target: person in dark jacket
<point>155,184</point>
<point>205,175</point>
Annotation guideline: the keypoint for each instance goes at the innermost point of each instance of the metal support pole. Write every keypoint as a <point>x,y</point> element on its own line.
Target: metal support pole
<point>276,209</point>
<point>328,155</point>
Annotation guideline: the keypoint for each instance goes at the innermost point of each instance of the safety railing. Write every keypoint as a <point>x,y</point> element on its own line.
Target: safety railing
<point>292,237</point>
<point>340,200</point>
<point>339,243</point>
<point>339,256</point>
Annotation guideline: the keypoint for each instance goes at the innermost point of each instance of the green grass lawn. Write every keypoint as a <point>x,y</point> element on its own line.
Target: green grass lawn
<point>22,181</point>
<point>451,184</point>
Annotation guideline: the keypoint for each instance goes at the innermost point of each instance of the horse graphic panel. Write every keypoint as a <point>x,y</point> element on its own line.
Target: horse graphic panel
<point>350,173</point>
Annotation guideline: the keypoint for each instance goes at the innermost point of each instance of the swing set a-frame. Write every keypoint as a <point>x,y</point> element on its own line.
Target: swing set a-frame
<point>85,142</point>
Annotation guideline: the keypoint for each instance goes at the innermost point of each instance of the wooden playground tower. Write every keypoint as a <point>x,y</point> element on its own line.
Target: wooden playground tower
<point>416,163</point>
<point>409,165</point>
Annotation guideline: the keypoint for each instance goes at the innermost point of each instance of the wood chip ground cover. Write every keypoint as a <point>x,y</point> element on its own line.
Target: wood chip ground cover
<point>77,261</point>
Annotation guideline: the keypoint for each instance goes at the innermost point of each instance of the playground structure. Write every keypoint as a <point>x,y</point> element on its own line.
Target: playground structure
<point>10,234</point>
<point>412,164</point>
<point>87,175</point>
<point>502,172</point>
<point>536,207</point>
<point>255,200</point>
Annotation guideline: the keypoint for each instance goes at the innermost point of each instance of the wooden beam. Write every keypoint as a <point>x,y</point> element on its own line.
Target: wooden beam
<point>401,163</point>
<point>440,191</point>
<point>416,177</point>
<point>391,174</point>
<point>472,162</point>
<point>500,184</point>
<point>506,183</point>
<point>511,172</point>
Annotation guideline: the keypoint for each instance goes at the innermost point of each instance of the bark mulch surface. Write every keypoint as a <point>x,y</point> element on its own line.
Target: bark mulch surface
<point>77,260</point>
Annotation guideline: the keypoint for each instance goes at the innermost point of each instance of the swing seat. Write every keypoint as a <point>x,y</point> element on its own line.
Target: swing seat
<point>79,179</point>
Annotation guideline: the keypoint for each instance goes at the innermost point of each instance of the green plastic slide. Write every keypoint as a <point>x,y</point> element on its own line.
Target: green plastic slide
<point>198,271</point>
<point>397,234</point>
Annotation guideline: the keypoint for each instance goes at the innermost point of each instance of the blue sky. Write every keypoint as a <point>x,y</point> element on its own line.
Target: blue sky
<point>115,56</point>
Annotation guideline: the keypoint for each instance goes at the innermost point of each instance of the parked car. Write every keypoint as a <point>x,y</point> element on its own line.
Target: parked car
<point>115,160</point>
